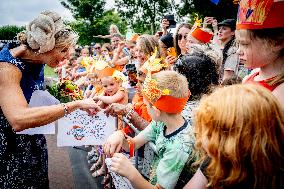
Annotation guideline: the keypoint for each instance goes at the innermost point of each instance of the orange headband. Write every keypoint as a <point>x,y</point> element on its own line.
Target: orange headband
<point>171,104</point>
<point>201,35</point>
<point>164,101</point>
<point>260,14</point>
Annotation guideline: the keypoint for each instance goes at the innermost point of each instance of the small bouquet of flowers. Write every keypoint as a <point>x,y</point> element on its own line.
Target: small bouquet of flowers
<point>65,91</point>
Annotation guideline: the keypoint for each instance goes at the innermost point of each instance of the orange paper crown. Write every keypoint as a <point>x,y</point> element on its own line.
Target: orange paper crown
<point>153,64</point>
<point>111,72</point>
<point>105,72</point>
<point>201,35</point>
<point>162,99</point>
<point>134,37</point>
<point>260,14</point>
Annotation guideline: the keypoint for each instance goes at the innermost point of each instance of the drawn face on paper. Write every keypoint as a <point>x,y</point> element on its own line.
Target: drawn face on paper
<point>110,85</point>
<point>86,126</point>
<point>77,132</point>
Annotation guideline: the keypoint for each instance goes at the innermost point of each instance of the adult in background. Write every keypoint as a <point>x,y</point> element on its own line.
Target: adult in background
<point>168,24</point>
<point>23,158</point>
<point>226,36</point>
<point>180,39</point>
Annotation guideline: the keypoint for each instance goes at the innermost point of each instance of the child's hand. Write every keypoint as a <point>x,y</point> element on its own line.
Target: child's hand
<point>170,60</point>
<point>121,45</point>
<point>122,165</point>
<point>207,21</point>
<point>113,143</point>
<point>115,109</point>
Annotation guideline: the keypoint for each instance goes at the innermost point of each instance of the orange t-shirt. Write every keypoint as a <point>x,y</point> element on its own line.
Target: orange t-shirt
<point>140,107</point>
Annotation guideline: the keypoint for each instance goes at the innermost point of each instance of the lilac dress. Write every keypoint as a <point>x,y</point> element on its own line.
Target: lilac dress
<point>23,158</point>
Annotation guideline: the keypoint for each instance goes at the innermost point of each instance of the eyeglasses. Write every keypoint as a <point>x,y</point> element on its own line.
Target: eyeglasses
<point>97,47</point>
<point>180,36</point>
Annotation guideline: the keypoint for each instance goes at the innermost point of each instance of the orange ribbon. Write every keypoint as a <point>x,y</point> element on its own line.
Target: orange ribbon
<point>131,147</point>
<point>129,141</point>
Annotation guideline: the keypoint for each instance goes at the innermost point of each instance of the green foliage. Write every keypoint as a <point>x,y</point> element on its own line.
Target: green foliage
<point>87,10</point>
<point>143,15</point>
<point>92,19</point>
<point>109,17</point>
<point>49,72</point>
<point>9,32</point>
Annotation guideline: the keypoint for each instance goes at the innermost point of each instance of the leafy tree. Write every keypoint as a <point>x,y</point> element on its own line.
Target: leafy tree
<point>9,32</point>
<point>143,14</point>
<point>92,19</point>
<point>86,10</point>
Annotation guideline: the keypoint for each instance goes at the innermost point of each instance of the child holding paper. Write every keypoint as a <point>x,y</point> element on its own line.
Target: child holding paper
<point>111,81</point>
<point>165,95</point>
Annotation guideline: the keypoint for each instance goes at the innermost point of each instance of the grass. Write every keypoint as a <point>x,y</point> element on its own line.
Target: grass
<point>49,72</point>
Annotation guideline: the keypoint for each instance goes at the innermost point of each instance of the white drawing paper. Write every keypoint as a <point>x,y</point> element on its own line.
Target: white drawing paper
<point>41,98</point>
<point>78,128</point>
<point>119,181</point>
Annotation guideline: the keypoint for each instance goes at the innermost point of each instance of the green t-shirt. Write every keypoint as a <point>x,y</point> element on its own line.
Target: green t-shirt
<point>173,152</point>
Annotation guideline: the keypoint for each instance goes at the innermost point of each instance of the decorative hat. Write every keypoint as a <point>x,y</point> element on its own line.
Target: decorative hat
<point>231,23</point>
<point>161,98</point>
<point>260,14</point>
<point>201,35</point>
<point>153,64</point>
<point>105,72</point>
<point>134,37</point>
<point>110,72</point>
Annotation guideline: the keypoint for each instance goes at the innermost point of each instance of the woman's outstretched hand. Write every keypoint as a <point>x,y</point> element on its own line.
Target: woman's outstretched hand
<point>90,106</point>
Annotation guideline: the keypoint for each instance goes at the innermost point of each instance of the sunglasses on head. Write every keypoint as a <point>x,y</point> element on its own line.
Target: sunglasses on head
<point>180,36</point>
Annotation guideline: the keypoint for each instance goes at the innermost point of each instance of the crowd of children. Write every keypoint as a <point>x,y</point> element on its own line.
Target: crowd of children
<point>183,103</point>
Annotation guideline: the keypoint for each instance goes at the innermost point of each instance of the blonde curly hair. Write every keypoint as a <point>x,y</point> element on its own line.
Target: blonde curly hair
<point>46,32</point>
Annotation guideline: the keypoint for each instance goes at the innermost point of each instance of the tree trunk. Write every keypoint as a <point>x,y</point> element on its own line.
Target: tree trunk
<point>153,19</point>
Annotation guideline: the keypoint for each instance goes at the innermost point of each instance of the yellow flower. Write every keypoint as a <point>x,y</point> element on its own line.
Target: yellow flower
<point>166,92</point>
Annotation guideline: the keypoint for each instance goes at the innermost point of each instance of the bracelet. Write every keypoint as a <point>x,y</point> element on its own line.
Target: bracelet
<point>129,114</point>
<point>66,111</point>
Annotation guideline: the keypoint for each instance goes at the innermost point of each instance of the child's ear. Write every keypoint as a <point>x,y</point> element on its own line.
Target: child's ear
<point>277,46</point>
<point>157,111</point>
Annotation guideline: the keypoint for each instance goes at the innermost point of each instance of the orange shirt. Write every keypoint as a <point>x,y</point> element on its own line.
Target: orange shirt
<point>140,107</point>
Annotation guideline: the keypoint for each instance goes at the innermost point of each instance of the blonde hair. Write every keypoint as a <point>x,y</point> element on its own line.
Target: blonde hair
<point>243,126</point>
<point>148,43</point>
<point>46,32</point>
<point>114,27</point>
<point>172,80</point>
